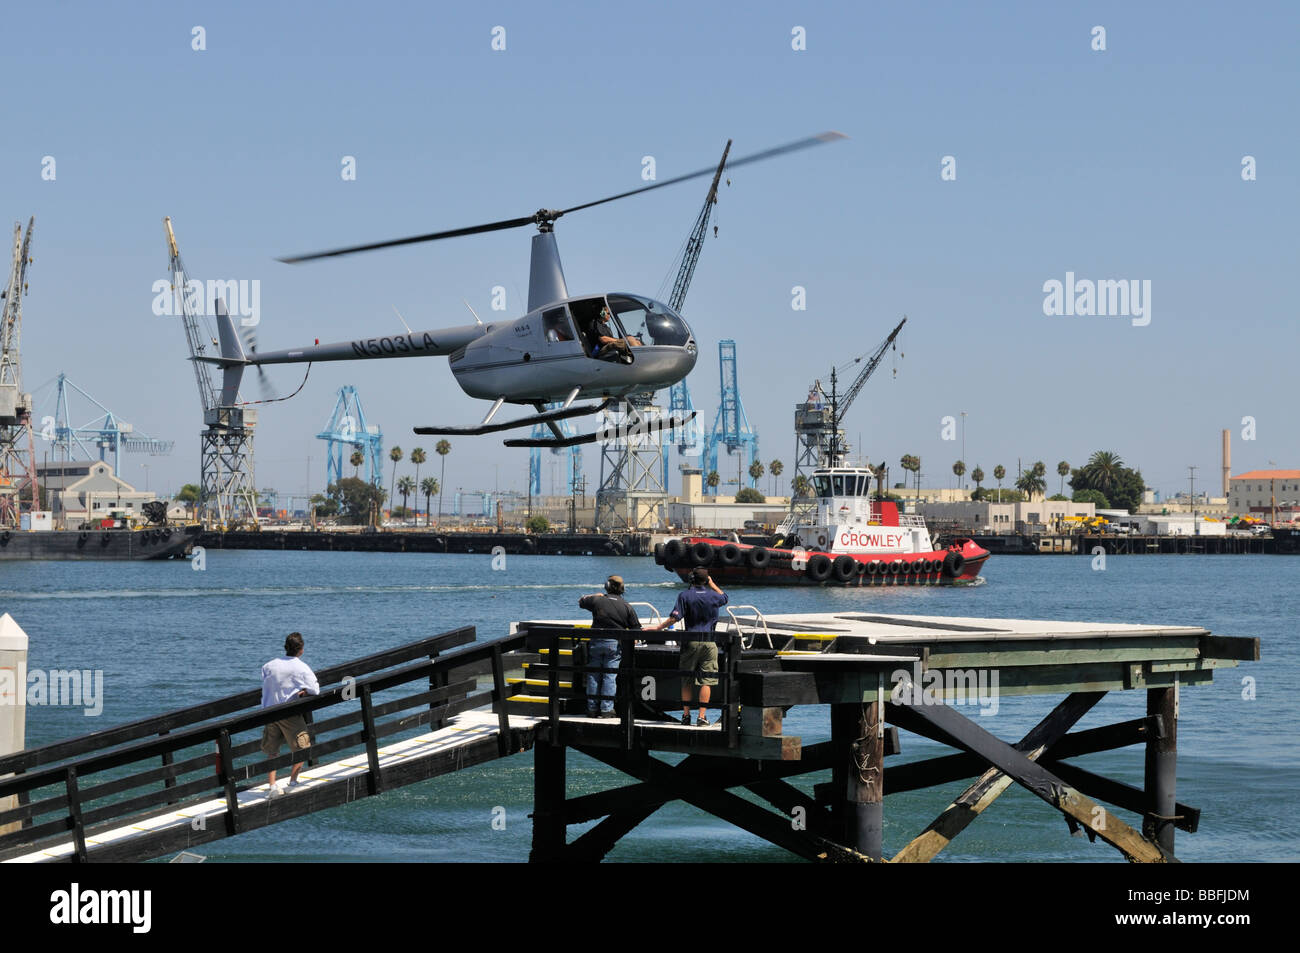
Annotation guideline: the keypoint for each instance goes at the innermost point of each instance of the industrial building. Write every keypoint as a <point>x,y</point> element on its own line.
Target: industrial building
<point>84,490</point>
<point>1265,492</point>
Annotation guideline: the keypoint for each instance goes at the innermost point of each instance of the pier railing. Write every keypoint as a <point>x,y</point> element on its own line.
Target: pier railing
<point>629,700</point>
<point>143,768</point>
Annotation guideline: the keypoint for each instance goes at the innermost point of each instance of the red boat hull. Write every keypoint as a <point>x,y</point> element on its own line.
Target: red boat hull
<point>958,565</point>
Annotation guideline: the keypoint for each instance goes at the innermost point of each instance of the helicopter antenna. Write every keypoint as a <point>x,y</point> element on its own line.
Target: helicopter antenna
<point>402,319</point>
<point>472,311</point>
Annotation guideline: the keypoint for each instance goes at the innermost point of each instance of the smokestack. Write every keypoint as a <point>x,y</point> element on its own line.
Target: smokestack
<point>1227,461</point>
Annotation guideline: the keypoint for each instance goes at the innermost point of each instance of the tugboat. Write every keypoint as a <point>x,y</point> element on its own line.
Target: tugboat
<point>848,540</point>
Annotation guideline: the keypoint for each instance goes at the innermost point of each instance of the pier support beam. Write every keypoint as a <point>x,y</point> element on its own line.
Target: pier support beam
<point>548,803</point>
<point>858,777</point>
<point>1162,769</point>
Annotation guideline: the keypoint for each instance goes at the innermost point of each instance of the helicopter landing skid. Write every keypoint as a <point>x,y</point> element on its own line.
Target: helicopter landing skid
<point>646,428</point>
<point>544,417</point>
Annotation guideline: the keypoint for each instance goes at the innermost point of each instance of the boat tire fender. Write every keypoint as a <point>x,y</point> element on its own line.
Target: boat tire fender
<point>895,567</point>
<point>845,568</point>
<point>759,557</point>
<point>701,554</point>
<point>953,564</point>
<point>819,567</point>
<point>730,555</point>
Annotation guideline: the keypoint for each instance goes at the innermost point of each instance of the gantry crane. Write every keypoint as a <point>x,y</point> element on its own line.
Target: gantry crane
<point>227,490</point>
<point>17,449</point>
<point>348,431</point>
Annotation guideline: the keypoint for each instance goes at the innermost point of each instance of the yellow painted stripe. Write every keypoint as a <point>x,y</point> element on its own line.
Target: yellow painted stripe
<point>535,681</point>
<point>562,651</point>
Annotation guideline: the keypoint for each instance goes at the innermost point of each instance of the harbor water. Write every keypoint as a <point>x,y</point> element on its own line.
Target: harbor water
<point>165,637</point>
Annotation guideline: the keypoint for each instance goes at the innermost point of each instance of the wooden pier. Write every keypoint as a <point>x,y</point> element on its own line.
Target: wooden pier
<point>410,714</point>
<point>877,674</point>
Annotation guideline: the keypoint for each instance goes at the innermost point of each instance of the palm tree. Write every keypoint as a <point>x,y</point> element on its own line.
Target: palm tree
<point>428,486</point>
<point>1063,469</point>
<point>356,460</point>
<point>913,464</point>
<point>998,473</point>
<point>395,455</point>
<point>405,486</point>
<point>978,476</point>
<point>800,486</point>
<point>756,471</point>
<point>418,457</point>
<point>442,448</point>
<point>959,468</point>
<point>1032,482</point>
<point>1104,471</point>
<point>713,480</point>
<point>775,468</point>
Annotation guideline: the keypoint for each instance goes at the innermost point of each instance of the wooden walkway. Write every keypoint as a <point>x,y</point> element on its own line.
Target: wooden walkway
<point>470,738</point>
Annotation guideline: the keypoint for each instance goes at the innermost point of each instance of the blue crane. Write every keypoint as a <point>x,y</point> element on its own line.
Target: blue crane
<point>347,431</point>
<point>102,434</point>
<point>730,427</point>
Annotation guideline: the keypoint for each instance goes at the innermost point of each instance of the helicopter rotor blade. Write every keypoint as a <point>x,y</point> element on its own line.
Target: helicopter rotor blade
<point>545,215</point>
<point>711,170</point>
<point>415,239</point>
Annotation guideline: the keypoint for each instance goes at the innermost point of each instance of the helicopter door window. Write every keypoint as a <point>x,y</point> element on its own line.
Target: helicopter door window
<point>555,324</point>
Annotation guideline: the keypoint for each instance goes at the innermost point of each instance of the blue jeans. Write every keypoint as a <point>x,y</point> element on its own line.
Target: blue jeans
<point>602,653</point>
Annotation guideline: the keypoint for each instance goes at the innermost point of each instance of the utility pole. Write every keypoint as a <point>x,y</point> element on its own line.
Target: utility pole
<point>1191,489</point>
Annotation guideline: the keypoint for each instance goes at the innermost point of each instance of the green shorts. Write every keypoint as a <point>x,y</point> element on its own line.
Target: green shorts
<point>702,659</point>
<point>292,730</point>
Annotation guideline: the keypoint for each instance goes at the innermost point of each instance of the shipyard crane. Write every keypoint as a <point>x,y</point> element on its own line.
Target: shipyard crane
<point>731,427</point>
<point>633,487</point>
<point>227,494</point>
<point>104,431</point>
<point>840,405</point>
<point>347,431</point>
<point>17,450</point>
<point>818,433</point>
<point>680,396</point>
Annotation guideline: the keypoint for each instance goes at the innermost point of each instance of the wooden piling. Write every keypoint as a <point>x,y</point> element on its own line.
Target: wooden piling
<point>1161,769</point>
<point>548,803</point>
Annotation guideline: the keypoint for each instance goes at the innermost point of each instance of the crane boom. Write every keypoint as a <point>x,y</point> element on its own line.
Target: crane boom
<point>185,306</point>
<point>856,387</point>
<point>696,242</point>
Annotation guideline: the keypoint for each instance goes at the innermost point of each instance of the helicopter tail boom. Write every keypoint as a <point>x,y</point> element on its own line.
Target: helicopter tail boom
<point>439,342</point>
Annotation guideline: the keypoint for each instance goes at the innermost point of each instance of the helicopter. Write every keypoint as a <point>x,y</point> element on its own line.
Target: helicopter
<point>609,346</point>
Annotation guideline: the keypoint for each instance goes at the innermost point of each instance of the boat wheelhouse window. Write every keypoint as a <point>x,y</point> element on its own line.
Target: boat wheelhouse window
<point>555,325</point>
<point>837,483</point>
<point>650,321</point>
<point>823,485</point>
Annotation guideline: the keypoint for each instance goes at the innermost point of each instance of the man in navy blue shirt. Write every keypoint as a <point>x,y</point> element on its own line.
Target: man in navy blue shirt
<point>698,606</point>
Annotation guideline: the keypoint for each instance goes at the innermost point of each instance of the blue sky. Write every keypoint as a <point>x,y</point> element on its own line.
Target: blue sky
<point>1116,164</point>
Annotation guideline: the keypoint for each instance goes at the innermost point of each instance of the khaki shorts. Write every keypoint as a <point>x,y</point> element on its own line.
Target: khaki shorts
<point>292,730</point>
<point>701,658</point>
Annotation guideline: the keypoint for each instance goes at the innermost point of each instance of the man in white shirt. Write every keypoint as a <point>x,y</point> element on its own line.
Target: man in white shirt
<point>283,679</point>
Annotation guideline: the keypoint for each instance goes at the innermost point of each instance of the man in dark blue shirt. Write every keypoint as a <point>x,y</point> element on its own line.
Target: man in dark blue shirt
<point>698,606</point>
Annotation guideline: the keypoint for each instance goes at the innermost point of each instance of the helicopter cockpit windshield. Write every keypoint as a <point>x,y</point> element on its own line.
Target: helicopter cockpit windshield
<point>652,322</point>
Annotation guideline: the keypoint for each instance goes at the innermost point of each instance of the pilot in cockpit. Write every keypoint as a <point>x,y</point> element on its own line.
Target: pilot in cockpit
<point>603,332</point>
